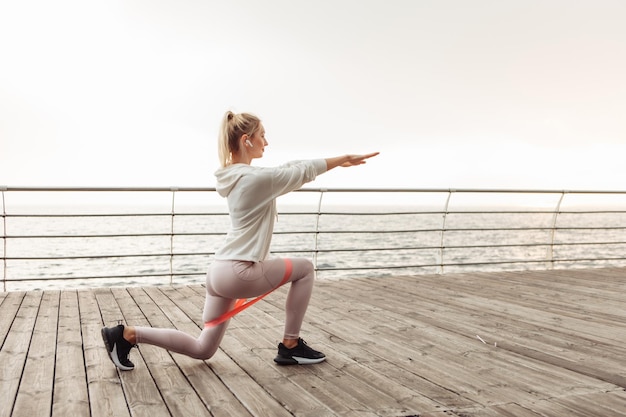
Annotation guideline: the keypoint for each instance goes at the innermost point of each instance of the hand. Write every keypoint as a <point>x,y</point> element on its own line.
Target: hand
<point>353,160</point>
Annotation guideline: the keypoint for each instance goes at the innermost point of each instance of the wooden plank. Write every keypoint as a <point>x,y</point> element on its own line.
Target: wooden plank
<point>485,321</point>
<point>502,410</point>
<point>328,296</point>
<point>600,356</point>
<point>252,396</point>
<point>357,384</point>
<point>70,387</point>
<point>141,392</point>
<point>176,391</point>
<point>453,376</point>
<point>538,315</point>
<point>106,397</point>
<point>220,401</point>
<point>296,397</point>
<point>387,357</point>
<point>434,355</point>
<point>8,309</point>
<point>587,282</point>
<point>258,334</point>
<point>400,346</point>
<point>255,356</point>
<point>15,349</point>
<point>443,413</point>
<point>564,301</point>
<point>550,408</point>
<point>195,296</point>
<point>597,404</point>
<point>550,290</point>
<point>508,410</point>
<point>254,350</point>
<point>133,305</point>
<point>34,397</point>
<point>609,403</point>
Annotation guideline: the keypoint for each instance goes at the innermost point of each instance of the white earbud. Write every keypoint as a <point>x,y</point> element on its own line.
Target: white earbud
<point>249,143</point>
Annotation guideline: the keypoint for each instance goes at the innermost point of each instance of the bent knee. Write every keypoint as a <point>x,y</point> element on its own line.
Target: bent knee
<point>305,267</point>
<point>205,355</point>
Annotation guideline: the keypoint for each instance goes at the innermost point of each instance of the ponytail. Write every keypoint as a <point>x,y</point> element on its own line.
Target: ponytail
<point>233,127</point>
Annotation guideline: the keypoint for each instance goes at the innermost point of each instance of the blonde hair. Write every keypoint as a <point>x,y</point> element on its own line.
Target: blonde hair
<point>234,126</point>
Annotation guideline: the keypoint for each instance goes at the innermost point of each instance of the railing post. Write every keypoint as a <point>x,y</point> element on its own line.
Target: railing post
<point>317,226</point>
<point>555,216</point>
<point>4,244</point>
<point>443,231</point>
<point>173,212</point>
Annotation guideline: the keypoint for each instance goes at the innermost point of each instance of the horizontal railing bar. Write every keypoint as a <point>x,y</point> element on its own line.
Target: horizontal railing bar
<point>521,261</point>
<point>67,258</point>
<point>316,190</point>
<point>539,212</point>
<point>337,213</point>
<point>351,214</point>
<point>323,213</point>
<point>511,245</point>
<point>458,191</point>
<point>105,215</point>
<point>475,229</point>
<point>86,236</point>
<point>588,243</point>
<point>302,232</point>
<point>114,235</point>
<point>163,274</point>
<point>415,248</point>
<point>467,229</point>
<point>327,213</point>
<point>326,269</point>
<point>427,265</point>
<point>398,213</point>
<point>73,215</point>
<point>329,269</point>
<point>511,229</point>
<point>107,189</point>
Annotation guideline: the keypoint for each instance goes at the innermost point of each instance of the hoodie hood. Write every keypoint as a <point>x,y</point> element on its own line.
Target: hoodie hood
<point>228,177</point>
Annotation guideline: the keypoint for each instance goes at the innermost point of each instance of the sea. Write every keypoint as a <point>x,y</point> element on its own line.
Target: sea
<point>43,249</point>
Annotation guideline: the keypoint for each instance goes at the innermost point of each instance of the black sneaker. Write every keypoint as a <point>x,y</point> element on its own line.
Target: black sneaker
<point>301,354</point>
<point>117,347</point>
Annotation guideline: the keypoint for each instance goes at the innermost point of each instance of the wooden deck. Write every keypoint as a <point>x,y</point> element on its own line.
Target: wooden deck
<point>542,343</point>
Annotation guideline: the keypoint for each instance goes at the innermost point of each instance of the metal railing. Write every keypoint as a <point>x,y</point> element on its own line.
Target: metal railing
<point>346,232</point>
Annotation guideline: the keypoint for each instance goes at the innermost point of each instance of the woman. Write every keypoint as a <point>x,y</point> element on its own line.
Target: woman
<point>242,268</point>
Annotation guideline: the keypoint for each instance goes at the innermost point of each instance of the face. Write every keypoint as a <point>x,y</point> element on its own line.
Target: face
<point>258,142</point>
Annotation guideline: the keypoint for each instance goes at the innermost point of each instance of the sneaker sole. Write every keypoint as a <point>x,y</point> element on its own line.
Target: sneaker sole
<point>296,360</point>
<point>111,350</point>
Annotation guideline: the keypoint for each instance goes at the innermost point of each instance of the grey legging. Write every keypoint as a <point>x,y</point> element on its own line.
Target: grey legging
<point>230,280</point>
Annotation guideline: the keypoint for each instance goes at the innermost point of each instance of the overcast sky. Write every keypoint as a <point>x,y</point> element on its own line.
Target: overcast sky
<point>454,94</point>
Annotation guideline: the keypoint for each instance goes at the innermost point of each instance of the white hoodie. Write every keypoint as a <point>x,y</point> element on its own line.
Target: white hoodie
<point>251,194</point>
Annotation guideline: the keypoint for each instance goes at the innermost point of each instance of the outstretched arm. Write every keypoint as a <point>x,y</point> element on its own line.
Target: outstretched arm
<point>348,160</point>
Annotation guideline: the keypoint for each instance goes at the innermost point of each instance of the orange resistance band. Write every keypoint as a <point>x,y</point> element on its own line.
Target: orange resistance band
<point>242,303</point>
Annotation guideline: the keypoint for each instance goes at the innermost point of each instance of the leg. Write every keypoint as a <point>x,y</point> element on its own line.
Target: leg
<point>254,279</point>
<point>298,299</point>
<point>203,347</point>
<point>228,280</point>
